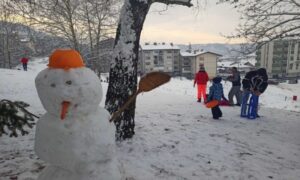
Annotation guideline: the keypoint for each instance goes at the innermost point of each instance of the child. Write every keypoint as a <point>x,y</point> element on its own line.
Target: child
<point>201,78</point>
<point>24,61</point>
<point>216,93</point>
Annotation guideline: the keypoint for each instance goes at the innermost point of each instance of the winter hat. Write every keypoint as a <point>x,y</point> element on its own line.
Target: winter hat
<point>65,59</point>
<point>263,73</point>
<point>202,68</point>
<point>217,79</point>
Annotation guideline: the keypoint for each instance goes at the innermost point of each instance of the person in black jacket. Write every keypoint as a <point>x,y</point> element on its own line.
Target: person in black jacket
<point>255,82</point>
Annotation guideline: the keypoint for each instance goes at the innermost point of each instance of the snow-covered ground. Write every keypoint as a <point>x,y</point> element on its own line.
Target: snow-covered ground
<point>176,137</point>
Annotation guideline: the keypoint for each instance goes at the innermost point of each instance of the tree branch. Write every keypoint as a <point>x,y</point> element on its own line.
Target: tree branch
<point>296,3</point>
<point>276,14</point>
<point>178,2</point>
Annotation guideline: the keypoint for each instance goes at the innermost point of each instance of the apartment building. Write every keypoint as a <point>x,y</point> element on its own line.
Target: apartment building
<point>162,57</point>
<point>191,61</point>
<point>281,58</point>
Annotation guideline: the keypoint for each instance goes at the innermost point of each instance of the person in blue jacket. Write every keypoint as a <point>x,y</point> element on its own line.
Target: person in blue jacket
<point>216,93</point>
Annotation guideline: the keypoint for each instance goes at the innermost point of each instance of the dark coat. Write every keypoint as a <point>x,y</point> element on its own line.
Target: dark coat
<point>235,79</point>
<point>256,80</point>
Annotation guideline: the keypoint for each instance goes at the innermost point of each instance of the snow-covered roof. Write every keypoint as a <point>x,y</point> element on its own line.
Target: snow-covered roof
<point>240,64</point>
<point>159,46</point>
<point>197,53</point>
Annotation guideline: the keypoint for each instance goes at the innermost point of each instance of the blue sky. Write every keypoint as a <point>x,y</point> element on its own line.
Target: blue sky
<point>185,25</point>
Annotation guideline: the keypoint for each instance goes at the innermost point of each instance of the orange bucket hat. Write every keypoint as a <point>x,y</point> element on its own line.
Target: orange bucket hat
<point>65,59</point>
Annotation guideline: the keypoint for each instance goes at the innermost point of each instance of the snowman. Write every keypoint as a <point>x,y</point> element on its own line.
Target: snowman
<point>74,136</point>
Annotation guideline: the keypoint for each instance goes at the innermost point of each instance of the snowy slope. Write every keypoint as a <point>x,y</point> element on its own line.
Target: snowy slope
<point>176,137</point>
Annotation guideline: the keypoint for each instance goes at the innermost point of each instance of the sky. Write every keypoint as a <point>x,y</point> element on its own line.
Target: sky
<point>183,25</point>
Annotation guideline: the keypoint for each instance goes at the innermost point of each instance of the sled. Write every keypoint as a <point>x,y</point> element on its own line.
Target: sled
<point>212,104</point>
<point>224,103</point>
<point>249,110</point>
<point>147,83</point>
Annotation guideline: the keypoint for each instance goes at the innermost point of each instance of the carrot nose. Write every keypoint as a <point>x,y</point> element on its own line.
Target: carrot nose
<point>64,109</point>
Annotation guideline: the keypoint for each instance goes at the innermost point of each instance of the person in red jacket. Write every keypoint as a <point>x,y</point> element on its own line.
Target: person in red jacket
<point>24,61</point>
<point>201,79</point>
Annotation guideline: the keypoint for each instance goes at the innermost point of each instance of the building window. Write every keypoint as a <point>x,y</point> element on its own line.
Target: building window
<point>169,57</point>
<point>148,57</point>
<point>186,63</point>
<point>291,66</point>
<point>169,51</point>
<point>297,66</point>
<point>186,69</point>
<point>147,63</point>
<point>158,61</point>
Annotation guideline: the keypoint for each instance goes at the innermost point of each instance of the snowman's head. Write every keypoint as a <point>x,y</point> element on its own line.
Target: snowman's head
<point>67,88</point>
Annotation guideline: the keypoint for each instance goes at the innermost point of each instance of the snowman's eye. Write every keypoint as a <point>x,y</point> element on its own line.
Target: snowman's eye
<point>53,85</point>
<point>68,82</point>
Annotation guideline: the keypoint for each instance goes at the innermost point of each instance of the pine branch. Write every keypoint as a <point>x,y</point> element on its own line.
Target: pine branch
<point>14,117</point>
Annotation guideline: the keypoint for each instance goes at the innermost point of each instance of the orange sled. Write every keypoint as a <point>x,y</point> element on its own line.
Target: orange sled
<point>212,103</point>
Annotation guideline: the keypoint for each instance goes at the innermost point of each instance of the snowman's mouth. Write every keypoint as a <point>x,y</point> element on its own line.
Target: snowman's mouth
<point>64,109</point>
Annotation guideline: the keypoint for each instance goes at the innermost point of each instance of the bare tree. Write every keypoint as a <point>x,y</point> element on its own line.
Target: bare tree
<point>12,44</point>
<point>123,72</point>
<point>57,17</point>
<point>266,20</point>
<point>78,21</point>
<point>99,18</point>
<point>7,33</point>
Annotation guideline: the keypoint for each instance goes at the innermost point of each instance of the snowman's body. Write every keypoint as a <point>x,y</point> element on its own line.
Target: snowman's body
<point>76,148</point>
<point>82,145</point>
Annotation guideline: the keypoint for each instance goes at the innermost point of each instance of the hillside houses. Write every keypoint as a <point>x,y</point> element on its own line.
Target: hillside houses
<point>163,57</point>
<point>243,65</point>
<point>167,57</point>
<point>191,61</point>
<point>281,58</point>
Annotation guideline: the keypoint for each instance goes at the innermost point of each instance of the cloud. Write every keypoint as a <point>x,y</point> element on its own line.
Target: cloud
<point>181,35</point>
<point>180,24</point>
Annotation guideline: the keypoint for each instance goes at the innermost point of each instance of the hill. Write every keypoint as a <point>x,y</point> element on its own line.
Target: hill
<point>227,50</point>
<point>176,137</point>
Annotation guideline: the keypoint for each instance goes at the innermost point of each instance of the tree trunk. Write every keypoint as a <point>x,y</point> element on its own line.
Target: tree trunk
<point>123,72</point>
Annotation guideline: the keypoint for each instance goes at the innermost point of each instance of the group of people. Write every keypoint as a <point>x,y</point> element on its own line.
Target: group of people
<point>254,83</point>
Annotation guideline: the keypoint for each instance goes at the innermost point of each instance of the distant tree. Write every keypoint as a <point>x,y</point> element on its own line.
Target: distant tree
<point>266,20</point>
<point>123,72</point>
<point>8,36</point>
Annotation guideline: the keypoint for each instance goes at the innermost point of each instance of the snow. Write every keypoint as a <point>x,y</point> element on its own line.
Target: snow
<point>124,47</point>
<point>176,137</point>
<point>197,53</point>
<point>159,46</point>
<point>242,63</point>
